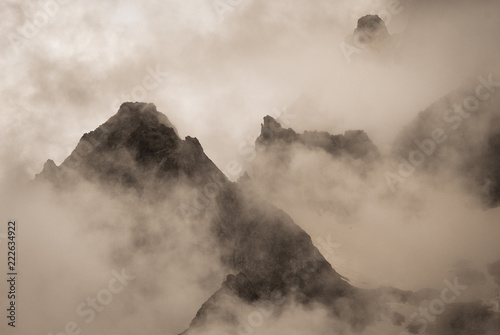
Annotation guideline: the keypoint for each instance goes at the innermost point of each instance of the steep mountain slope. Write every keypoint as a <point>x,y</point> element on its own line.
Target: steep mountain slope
<point>137,149</point>
<point>138,152</point>
<point>282,152</point>
<point>269,262</point>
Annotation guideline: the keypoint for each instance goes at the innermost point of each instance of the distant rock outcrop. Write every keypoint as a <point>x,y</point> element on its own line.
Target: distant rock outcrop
<point>372,40</point>
<point>371,31</point>
<point>354,143</point>
<point>299,167</point>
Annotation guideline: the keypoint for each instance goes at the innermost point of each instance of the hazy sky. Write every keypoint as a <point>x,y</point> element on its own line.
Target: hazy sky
<point>66,68</point>
<point>216,71</point>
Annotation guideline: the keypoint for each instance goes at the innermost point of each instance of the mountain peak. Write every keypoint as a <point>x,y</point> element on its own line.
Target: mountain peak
<point>136,144</point>
<point>371,35</point>
<point>371,29</point>
<point>271,122</point>
<point>143,110</point>
<point>354,143</point>
<point>272,131</point>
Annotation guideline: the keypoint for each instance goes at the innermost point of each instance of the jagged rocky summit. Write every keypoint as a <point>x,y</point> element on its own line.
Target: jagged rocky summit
<point>267,255</point>
<point>354,143</point>
<point>371,40</point>
<point>270,262</point>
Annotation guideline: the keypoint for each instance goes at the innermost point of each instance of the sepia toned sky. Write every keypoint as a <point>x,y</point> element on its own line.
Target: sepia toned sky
<point>66,66</point>
<point>66,69</point>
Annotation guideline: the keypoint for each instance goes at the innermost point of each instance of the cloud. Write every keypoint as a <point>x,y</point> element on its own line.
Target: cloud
<point>224,76</point>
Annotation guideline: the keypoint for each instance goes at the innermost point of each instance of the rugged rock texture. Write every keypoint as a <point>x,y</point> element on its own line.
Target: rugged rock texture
<point>270,261</point>
<point>236,289</point>
<point>285,161</point>
<point>354,143</point>
<point>278,257</point>
<point>139,151</point>
<point>372,41</point>
<point>371,31</point>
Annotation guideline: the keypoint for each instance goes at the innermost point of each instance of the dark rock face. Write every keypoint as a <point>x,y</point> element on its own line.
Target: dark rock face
<point>138,151</point>
<point>234,287</point>
<point>280,166</point>
<point>371,30</point>
<point>354,143</point>
<point>372,41</point>
<point>277,256</point>
<point>137,148</point>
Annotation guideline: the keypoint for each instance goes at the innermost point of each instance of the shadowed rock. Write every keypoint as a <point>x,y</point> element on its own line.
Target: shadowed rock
<point>354,143</point>
<point>138,151</point>
<point>371,31</point>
